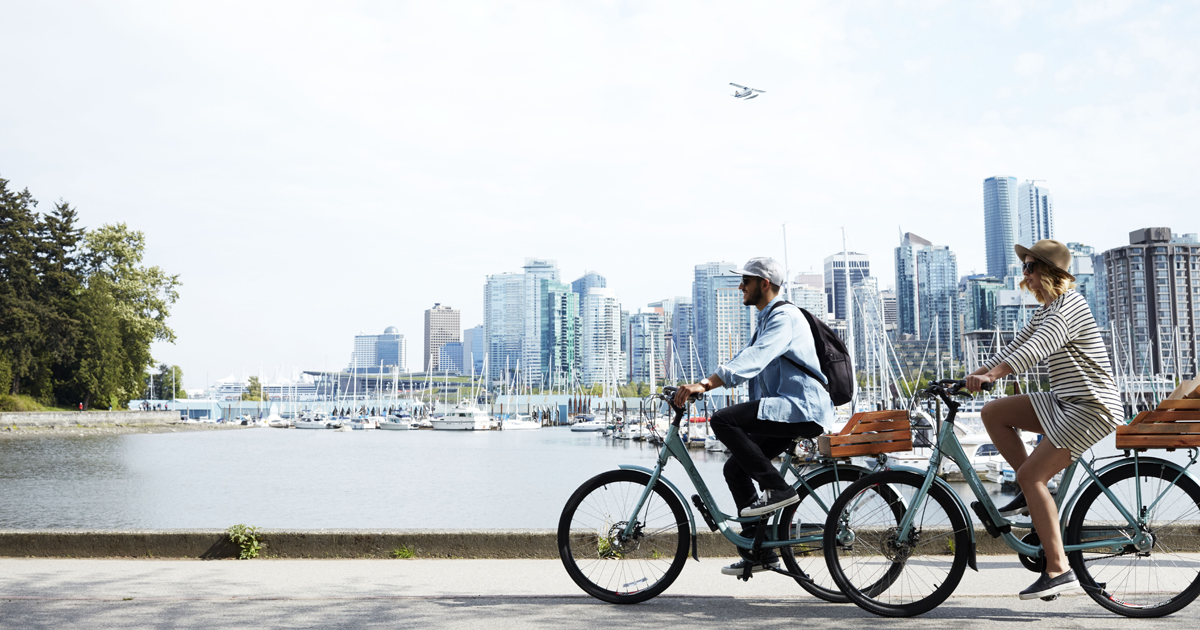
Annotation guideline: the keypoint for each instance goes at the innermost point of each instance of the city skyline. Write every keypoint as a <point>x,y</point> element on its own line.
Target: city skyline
<point>271,160</point>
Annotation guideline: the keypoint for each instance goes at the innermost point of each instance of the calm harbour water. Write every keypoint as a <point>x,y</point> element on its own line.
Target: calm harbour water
<point>317,479</point>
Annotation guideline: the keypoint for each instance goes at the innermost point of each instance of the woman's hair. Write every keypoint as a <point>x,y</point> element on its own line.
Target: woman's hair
<point>1055,282</point>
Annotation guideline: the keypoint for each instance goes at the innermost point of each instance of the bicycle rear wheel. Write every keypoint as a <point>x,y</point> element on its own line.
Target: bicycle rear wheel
<point>807,518</point>
<point>876,568</point>
<point>1139,583</point>
<point>604,562</point>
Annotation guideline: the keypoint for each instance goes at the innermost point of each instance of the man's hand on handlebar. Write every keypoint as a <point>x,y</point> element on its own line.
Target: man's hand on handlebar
<point>685,392</point>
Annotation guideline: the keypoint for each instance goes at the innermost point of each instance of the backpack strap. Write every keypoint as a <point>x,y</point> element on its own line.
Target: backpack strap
<point>784,356</point>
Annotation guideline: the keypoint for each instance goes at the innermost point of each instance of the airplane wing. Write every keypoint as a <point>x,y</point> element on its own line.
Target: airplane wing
<point>738,86</point>
<point>760,91</point>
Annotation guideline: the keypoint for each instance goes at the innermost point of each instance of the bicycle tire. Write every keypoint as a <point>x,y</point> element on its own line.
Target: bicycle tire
<point>590,538</point>
<point>882,574</point>
<point>1129,582</point>
<point>807,517</point>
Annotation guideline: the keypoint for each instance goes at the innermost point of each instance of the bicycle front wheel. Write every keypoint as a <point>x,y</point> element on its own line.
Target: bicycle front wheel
<point>1150,582</point>
<point>599,556</point>
<point>883,572</point>
<point>807,518</point>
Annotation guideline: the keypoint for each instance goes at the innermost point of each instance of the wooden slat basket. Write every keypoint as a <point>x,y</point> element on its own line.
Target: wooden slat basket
<point>1173,424</point>
<point>869,433</point>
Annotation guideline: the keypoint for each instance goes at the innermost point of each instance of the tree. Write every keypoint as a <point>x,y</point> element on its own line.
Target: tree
<point>20,313</point>
<point>253,389</point>
<point>166,384</point>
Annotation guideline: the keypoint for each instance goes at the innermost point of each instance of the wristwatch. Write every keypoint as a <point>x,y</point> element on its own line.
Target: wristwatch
<point>707,385</point>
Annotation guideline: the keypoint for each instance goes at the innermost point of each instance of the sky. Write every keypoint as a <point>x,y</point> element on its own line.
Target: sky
<point>313,170</point>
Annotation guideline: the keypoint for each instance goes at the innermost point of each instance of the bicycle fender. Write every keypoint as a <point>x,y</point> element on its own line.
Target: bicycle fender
<point>962,508</point>
<point>686,505</point>
<point>1069,506</point>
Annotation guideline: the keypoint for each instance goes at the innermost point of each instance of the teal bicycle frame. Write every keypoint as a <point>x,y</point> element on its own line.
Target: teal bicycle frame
<point>673,446</point>
<point>949,446</point>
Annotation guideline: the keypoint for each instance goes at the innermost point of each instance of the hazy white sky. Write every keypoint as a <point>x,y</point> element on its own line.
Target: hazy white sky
<point>313,170</point>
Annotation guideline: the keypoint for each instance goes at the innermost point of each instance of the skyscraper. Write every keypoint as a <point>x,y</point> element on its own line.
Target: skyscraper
<point>503,323</point>
<point>835,279</point>
<point>730,323</point>
<point>560,329</point>
<point>589,280</point>
<point>473,350</point>
<point>600,337</point>
<point>908,306</point>
<point>701,328</point>
<point>387,350</point>
<point>937,270</point>
<point>450,357</point>
<point>1000,225</point>
<point>977,308</point>
<point>647,347</point>
<point>535,270</point>
<point>1154,303</point>
<point>1036,213</point>
<point>685,355</point>
<point>441,326</point>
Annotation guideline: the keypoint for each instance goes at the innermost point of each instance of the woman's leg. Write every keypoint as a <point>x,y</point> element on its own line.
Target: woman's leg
<point>1002,417</point>
<point>1045,462</point>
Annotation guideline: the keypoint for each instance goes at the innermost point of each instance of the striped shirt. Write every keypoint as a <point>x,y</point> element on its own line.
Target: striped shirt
<point>1083,404</point>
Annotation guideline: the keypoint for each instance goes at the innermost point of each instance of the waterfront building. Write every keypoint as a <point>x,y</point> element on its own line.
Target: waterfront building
<point>1153,289</point>
<point>450,358</point>
<point>388,349</point>
<point>473,350</point>
<point>811,299</point>
<point>560,322</point>
<point>647,347</point>
<point>1100,279</point>
<point>908,308</point>
<point>625,343</point>
<point>701,330</point>
<point>977,302</point>
<point>442,325</point>
<point>600,338</point>
<point>535,270</point>
<point>1035,208</point>
<point>937,270</point>
<point>589,280</point>
<point>684,356</point>
<point>1014,309</point>
<point>835,279</point>
<point>1000,225</point>
<point>730,321</point>
<point>503,323</point>
<point>1083,269</point>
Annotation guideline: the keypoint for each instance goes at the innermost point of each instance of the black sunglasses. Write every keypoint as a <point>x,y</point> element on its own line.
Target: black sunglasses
<point>1029,267</point>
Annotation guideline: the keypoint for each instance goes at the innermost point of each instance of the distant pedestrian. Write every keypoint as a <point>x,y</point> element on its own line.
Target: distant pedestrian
<point>81,407</point>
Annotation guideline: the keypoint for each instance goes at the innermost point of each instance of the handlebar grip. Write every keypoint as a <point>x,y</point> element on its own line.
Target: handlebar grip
<point>987,387</point>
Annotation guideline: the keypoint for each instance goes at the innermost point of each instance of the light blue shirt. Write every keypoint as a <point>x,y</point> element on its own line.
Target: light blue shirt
<point>788,394</point>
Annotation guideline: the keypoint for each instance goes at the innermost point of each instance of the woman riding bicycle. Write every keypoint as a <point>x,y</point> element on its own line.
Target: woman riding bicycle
<point>1082,407</point>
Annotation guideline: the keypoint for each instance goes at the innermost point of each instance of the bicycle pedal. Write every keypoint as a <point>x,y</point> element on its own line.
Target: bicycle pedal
<point>1050,598</point>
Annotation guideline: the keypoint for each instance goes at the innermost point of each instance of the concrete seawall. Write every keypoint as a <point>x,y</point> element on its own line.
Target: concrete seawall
<point>42,419</point>
<point>347,543</point>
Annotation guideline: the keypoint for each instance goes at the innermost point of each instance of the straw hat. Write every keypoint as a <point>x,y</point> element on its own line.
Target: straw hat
<point>1049,252</point>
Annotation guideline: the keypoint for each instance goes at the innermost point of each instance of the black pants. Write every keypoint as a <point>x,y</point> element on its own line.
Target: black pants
<point>752,443</point>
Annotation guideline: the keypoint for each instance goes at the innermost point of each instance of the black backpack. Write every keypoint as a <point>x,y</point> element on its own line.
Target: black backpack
<point>832,354</point>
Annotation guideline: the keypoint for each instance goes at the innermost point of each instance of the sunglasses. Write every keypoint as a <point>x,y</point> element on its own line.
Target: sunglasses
<point>1029,267</point>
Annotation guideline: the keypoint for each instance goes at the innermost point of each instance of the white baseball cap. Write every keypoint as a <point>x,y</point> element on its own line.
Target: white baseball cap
<point>763,267</point>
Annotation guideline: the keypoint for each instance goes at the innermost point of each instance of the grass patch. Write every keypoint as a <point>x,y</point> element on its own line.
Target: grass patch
<point>404,552</point>
<point>246,539</point>
<point>21,402</point>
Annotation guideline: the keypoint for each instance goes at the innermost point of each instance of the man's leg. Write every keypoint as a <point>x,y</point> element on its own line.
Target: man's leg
<point>738,427</point>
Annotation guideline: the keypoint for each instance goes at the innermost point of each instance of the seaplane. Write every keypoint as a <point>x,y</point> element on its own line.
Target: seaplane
<point>746,93</point>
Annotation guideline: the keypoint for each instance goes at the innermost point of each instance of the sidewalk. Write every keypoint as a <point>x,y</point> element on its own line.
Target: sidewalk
<point>102,593</point>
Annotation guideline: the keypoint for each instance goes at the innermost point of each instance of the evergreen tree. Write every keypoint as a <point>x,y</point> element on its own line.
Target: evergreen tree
<point>20,313</point>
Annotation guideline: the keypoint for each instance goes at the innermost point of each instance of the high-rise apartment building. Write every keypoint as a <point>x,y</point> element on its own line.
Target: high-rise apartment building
<point>868,324</point>
<point>908,305</point>
<point>600,338</point>
<point>450,357</point>
<point>560,324</point>
<point>473,350</point>
<point>701,329</point>
<point>889,309</point>
<point>375,351</point>
<point>730,321</point>
<point>647,347</point>
<point>1035,208</point>
<point>977,302</point>
<point>835,279</point>
<point>442,326</point>
<point>685,356</point>
<point>503,323</point>
<point>1083,268</point>
<point>1153,287</point>
<point>535,270</point>
<point>1000,226</point>
<point>926,290</point>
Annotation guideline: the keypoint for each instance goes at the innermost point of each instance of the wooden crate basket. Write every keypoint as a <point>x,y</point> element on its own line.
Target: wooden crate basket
<point>1173,424</point>
<point>869,433</point>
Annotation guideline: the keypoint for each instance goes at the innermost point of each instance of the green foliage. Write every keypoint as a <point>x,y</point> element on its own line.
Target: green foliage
<point>404,552</point>
<point>165,384</point>
<point>79,309</point>
<point>246,539</point>
<point>253,389</point>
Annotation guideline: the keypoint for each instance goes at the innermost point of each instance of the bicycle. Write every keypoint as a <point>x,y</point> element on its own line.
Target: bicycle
<point>1126,529</point>
<point>624,534</point>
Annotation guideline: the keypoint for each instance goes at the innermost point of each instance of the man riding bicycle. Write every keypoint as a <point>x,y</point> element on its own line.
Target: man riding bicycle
<point>787,401</point>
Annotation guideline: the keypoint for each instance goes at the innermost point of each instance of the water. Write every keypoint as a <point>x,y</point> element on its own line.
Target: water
<point>324,479</point>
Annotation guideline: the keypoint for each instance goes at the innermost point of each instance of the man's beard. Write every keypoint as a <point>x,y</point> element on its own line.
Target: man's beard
<point>751,296</point>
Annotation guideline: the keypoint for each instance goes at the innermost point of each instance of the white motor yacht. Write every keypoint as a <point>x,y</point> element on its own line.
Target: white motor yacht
<point>361,423</point>
<point>403,422</point>
<point>520,422</point>
<point>463,419</point>
<point>312,420</point>
<point>589,425</point>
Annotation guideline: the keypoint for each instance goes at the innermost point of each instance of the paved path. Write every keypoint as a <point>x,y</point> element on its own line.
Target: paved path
<point>93,594</point>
